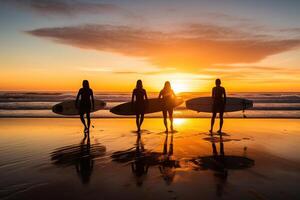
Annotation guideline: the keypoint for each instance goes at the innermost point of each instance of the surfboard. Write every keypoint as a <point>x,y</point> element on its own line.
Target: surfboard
<point>204,104</point>
<point>69,108</point>
<point>154,105</point>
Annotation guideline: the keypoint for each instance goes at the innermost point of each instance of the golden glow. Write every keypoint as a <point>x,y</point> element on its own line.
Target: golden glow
<point>66,73</point>
<point>179,121</point>
<point>57,53</point>
<point>180,87</point>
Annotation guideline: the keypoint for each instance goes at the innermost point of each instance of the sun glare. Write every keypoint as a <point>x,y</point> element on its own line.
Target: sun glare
<point>179,87</point>
<point>179,121</point>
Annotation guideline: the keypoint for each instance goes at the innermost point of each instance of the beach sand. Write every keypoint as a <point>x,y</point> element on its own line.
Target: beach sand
<point>48,159</point>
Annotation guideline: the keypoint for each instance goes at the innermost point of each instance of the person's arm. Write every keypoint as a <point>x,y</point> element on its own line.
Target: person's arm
<point>160,95</point>
<point>213,93</point>
<point>147,166</point>
<point>93,101</point>
<point>132,167</point>
<point>132,97</point>
<point>77,98</point>
<point>224,93</point>
<point>146,98</point>
<point>145,93</point>
<point>132,100</point>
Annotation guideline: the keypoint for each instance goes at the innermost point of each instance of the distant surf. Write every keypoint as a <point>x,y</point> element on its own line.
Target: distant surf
<point>39,104</point>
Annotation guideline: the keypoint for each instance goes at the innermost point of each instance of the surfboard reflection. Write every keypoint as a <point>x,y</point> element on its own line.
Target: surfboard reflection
<point>79,155</point>
<point>220,164</point>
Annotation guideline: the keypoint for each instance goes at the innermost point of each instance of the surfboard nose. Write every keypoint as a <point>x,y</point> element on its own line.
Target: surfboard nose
<point>57,109</point>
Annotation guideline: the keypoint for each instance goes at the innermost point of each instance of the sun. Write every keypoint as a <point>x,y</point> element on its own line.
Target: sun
<point>179,87</point>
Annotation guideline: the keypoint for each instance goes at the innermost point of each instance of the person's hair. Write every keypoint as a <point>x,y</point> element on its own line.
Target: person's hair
<point>218,82</point>
<point>85,84</point>
<point>167,86</point>
<point>139,84</point>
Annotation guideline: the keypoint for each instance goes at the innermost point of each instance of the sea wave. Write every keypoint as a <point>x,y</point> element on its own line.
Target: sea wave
<point>39,104</point>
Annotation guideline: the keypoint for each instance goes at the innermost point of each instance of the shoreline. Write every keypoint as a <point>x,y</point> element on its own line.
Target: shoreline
<point>126,117</point>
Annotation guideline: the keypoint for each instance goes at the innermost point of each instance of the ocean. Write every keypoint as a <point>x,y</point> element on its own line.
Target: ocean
<point>39,104</point>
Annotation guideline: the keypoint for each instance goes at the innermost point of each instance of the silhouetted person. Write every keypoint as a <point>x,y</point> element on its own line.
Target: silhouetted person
<point>168,95</point>
<point>85,104</point>
<point>219,101</point>
<point>139,102</point>
<point>139,167</point>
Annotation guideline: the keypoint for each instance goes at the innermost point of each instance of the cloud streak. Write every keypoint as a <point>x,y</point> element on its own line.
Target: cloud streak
<point>67,7</point>
<point>196,46</point>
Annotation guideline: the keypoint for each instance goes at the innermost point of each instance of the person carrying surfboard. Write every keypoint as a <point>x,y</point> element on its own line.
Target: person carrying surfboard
<point>219,102</point>
<point>86,103</point>
<point>168,95</point>
<point>139,101</point>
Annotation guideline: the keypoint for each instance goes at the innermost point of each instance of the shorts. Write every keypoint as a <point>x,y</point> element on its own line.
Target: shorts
<point>218,106</point>
<point>84,108</point>
<point>139,107</point>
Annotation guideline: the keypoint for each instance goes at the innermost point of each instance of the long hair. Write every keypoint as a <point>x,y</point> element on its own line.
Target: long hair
<point>139,84</point>
<point>167,86</point>
<point>85,84</point>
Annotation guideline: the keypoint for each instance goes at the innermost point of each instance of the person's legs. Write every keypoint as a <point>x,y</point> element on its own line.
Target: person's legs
<point>165,115</point>
<point>88,120</point>
<point>141,120</point>
<point>83,121</point>
<point>171,118</point>
<point>137,121</point>
<point>221,122</point>
<point>212,122</point>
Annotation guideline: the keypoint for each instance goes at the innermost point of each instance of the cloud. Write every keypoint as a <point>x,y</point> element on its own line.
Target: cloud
<point>67,7</point>
<point>191,48</point>
<point>140,72</point>
<point>253,73</point>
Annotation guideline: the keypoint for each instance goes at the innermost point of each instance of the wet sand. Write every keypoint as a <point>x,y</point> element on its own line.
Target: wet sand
<point>50,159</point>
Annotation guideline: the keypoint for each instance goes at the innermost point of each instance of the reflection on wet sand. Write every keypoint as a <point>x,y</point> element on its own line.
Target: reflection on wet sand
<point>141,159</point>
<point>168,163</point>
<point>204,168</point>
<point>221,163</point>
<point>81,155</point>
<point>140,166</point>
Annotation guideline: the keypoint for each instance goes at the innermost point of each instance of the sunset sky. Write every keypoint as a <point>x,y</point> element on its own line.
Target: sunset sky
<point>54,45</point>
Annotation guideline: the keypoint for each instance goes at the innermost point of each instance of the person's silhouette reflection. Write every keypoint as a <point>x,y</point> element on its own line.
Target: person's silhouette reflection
<point>85,162</point>
<point>220,169</point>
<point>168,163</point>
<point>220,163</point>
<point>139,166</point>
<point>79,155</point>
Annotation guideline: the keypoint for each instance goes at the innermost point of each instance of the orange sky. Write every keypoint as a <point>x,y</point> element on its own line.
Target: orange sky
<point>55,49</point>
